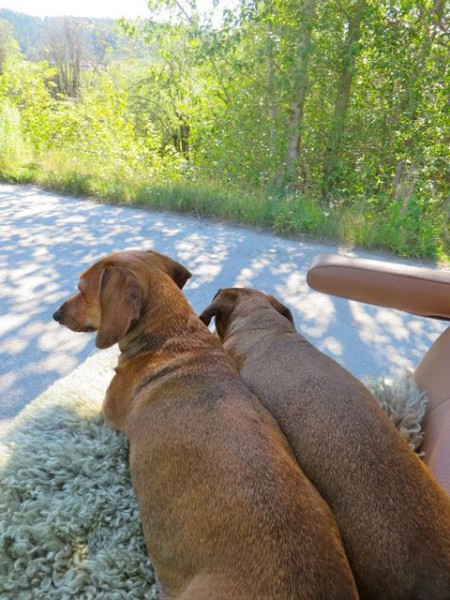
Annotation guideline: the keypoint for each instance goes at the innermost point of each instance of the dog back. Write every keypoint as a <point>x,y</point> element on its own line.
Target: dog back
<point>393,516</point>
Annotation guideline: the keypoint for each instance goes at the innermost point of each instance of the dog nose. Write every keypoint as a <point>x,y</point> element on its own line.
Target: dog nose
<point>57,315</point>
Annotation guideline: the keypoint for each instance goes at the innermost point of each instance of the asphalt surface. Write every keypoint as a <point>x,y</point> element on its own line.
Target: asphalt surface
<point>47,240</point>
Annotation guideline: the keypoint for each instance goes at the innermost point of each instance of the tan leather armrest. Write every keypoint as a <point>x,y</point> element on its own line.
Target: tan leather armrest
<point>421,291</point>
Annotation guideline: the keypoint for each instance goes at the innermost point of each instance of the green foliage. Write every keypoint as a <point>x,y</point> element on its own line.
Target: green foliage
<point>14,150</point>
<point>205,118</point>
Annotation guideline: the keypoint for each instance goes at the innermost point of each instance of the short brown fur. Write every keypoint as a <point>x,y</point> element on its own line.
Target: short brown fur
<point>226,512</point>
<point>394,518</point>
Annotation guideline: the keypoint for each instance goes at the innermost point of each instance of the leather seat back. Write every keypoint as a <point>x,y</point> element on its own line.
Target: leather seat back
<point>433,377</point>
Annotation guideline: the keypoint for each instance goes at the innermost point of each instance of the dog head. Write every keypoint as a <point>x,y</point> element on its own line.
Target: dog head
<point>226,303</point>
<point>113,291</point>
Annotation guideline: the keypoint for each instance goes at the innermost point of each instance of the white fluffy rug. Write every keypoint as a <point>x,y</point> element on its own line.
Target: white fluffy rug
<point>69,522</point>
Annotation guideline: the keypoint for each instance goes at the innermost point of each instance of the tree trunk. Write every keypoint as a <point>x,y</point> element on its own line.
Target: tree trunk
<point>349,54</point>
<point>271,89</point>
<point>297,105</point>
<point>407,169</point>
<point>64,49</point>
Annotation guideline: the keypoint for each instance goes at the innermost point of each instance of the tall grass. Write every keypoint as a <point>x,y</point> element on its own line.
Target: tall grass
<point>417,230</point>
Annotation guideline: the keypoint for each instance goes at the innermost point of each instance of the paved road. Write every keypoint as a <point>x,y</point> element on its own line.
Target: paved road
<point>46,240</point>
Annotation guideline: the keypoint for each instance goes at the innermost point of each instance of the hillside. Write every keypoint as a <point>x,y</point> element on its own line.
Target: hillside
<point>98,35</point>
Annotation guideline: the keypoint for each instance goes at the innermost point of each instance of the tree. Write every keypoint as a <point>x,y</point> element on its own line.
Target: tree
<point>8,45</point>
<point>350,51</point>
<point>64,49</point>
<point>430,26</point>
<point>299,74</point>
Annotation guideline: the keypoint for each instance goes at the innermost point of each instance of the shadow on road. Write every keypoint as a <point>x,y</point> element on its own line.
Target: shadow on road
<point>48,240</point>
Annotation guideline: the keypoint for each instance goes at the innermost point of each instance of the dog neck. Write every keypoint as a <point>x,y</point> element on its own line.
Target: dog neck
<point>179,333</point>
<point>139,342</point>
<point>164,315</point>
<point>154,348</point>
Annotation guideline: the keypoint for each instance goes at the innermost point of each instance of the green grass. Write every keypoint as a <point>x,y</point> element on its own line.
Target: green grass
<point>419,230</point>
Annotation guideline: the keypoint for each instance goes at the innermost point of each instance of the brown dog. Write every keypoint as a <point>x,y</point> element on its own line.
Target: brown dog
<point>393,517</point>
<point>226,512</point>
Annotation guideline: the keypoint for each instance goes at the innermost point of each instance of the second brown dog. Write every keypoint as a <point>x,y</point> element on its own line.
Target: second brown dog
<point>394,518</point>
<point>226,512</point>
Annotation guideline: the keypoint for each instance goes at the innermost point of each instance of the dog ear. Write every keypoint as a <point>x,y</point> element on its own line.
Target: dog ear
<point>174,269</point>
<point>120,304</point>
<point>220,308</point>
<point>179,274</point>
<point>210,311</point>
<point>281,308</point>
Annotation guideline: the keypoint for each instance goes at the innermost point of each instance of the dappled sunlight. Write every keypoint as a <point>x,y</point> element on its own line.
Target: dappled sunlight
<point>316,310</point>
<point>65,339</point>
<point>380,329</point>
<point>166,230</point>
<point>8,380</point>
<point>332,346</point>
<point>205,273</point>
<point>391,331</point>
<point>62,363</point>
<point>202,257</point>
<point>248,274</point>
<point>47,241</point>
<point>11,322</point>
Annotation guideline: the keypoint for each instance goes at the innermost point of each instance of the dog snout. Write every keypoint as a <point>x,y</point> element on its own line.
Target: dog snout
<point>57,315</point>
